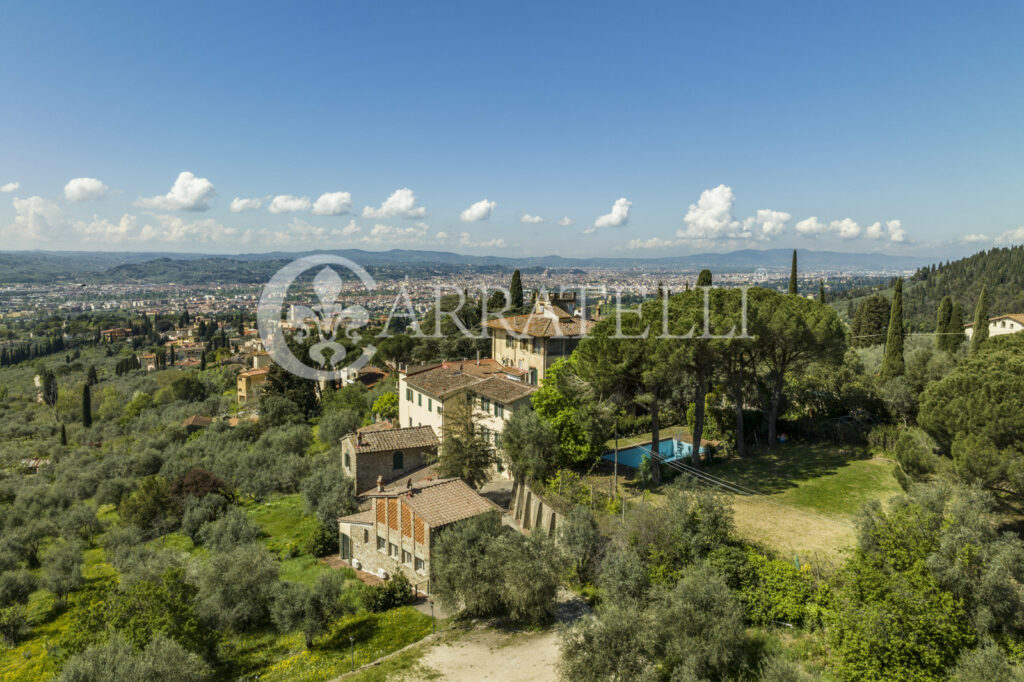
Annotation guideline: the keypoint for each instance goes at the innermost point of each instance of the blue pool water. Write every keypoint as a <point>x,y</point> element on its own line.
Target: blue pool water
<point>670,448</point>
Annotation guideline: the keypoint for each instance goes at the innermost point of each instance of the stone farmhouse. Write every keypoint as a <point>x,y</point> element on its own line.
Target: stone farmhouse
<point>397,532</point>
<point>380,452</point>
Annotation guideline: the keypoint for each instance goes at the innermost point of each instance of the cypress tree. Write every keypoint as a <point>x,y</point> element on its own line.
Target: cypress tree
<point>821,291</point>
<point>892,363</point>
<point>515,289</point>
<point>704,278</point>
<point>792,275</point>
<point>944,324</point>
<point>63,435</point>
<point>979,333</point>
<point>202,361</point>
<point>956,325</point>
<point>86,406</point>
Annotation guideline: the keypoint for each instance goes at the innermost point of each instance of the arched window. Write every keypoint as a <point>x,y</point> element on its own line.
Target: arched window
<point>397,460</point>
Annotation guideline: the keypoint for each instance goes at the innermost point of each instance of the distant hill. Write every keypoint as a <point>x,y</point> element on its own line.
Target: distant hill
<point>1001,269</point>
<point>57,266</point>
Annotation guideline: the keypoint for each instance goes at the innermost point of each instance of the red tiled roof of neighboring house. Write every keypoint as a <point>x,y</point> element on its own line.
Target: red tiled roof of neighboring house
<point>198,420</point>
<point>1016,317</point>
<point>255,372</point>
<point>426,472</point>
<point>441,502</point>
<point>393,439</point>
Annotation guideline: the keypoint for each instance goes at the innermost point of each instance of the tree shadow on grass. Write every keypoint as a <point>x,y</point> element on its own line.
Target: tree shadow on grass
<point>785,467</point>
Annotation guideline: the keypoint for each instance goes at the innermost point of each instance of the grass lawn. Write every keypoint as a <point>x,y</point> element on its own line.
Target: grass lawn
<point>285,658</point>
<point>811,493</point>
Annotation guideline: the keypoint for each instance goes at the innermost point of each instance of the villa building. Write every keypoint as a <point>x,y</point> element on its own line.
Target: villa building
<point>379,453</point>
<point>536,340</point>
<point>1002,324</point>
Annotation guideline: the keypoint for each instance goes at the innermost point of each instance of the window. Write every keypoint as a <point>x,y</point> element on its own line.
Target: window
<point>392,550</point>
<point>366,536</point>
<point>420,568</point>
<point>485,404</point>
<point>430,405</point>
<point>348,463</point>
<point>408,394</point>
<point>485,434</point>
<point>381,543</point>
<point>508,341</point>
<point>419,399</point>
<point>439,408</point>
<point>410,421</point>
<point>397,460</point>
<point>499,410</point>
<point>406,558</point>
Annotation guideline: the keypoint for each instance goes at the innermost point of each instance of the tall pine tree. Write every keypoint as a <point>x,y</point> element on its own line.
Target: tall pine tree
<point>515,289</point>
<point>892,363</point>
<point>704,278</point>
<point>86,405</point>
<point>792,275</point>
<point>979,332</point>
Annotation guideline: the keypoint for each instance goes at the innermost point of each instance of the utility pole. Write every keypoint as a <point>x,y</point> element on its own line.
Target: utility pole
<point>615,475</point>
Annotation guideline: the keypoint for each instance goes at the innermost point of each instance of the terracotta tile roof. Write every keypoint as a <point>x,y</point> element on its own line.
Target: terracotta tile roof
<point>393,439</point>
<point>198,420</point>
<point>543,326</point>
<point>442,502</point>
<point>503,390</point>
<point>255,372</point>
<point>1016,317</point>
<point>427,472</point>
<point>450,377</point>
<point>363,517</point>
<point>383,425</point>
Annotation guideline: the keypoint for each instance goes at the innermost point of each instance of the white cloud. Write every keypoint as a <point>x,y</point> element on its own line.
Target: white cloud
<point>1012,236</point>
<point>652,243</point>
<point>381,233</point>
<point>466,240</point>
<point>566,221</point>
<point>481,210</point>
<point>845,228</point>
<point>974,238</point>
<point>351,229</point>
<point>401,203</point>
<point>773,223</point>
<point>896,231</point>
<point>711,217</point>
<point>286,203</point>
<point>241,204</point>
<point>874,231</point>
<point>617,217</point>
<point>333,203</point>
<point>10,187</point>
<point>103,230</point>
<point>84,189</point>
<point>531,219</point>
<point>189,193</point>
<point>810,227</point>
<point>36,218</point>
<point>441,235</point>
<point>175,229</point>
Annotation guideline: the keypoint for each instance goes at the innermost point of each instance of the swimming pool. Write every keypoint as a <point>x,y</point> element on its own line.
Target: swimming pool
<point>669,448</point>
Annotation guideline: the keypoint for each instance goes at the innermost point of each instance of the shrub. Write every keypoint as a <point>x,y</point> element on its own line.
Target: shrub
<point>229,531</point>
<point>16,586</point>
<point>581,543</point>
<point>13,623</point>
<point>323,541</point>
<point>235,587</point>
<point>392,593</point>
<point>775,591</point>
<point>116,659</point>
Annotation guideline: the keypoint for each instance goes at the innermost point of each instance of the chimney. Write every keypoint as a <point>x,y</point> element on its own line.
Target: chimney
<point>408,484</point>
<point>380,484</point>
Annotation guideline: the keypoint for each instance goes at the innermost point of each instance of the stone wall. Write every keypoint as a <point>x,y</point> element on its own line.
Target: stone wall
<point>531,511</point>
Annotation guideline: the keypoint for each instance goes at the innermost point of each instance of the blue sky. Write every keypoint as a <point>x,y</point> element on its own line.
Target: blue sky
<point>656,129</point>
